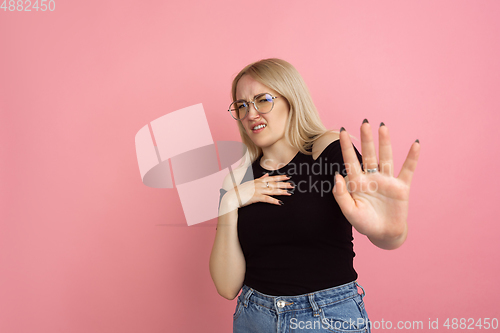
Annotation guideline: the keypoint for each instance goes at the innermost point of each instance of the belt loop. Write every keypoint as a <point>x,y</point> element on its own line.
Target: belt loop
<point>247,296</point>
<point>316,309</point>
<point>361,289</point>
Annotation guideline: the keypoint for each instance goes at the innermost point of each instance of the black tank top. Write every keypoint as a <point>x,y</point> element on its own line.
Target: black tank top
<point>306,244</point>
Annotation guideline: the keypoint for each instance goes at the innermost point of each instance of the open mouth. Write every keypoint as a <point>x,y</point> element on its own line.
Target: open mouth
<point>259,128</point>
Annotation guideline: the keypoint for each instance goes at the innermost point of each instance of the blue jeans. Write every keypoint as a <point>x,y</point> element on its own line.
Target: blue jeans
<point>338,309</point>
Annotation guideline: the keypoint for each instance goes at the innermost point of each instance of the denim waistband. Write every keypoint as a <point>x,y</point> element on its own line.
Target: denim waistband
<point>312,300</point>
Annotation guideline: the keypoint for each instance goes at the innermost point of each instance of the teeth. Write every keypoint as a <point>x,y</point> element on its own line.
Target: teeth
<point>259,127</point>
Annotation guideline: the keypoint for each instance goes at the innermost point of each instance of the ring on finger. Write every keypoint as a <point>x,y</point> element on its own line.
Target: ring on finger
<point>371,170</point>
<point>267,184</point>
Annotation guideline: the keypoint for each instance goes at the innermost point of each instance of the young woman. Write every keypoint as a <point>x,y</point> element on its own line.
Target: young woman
<point>284,232</point>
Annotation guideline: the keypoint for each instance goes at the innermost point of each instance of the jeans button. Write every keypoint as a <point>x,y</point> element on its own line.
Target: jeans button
<point>281,304</point>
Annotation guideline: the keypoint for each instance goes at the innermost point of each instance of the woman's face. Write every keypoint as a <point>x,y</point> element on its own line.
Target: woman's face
<point>275,121</point>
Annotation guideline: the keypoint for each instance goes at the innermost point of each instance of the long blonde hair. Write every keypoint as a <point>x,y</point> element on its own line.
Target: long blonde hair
<point>304,125</point>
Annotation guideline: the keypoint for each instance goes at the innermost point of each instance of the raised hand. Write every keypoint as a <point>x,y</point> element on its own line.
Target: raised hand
<point>373,200</point>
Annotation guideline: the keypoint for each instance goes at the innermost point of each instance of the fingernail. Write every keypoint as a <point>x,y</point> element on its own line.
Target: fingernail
<point>290,191</point>
<point>342,129</point>
<point>417,141</point>
<point>281,202</point>
<point>365,121</point>
<point>382,124</point>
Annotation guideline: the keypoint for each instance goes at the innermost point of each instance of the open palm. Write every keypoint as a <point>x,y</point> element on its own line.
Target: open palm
<point>376,203</point>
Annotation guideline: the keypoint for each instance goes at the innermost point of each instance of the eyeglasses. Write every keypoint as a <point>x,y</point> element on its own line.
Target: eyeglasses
<point>263,103</point>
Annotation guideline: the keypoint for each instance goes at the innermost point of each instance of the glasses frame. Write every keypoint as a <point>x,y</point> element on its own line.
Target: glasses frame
<point>247,103</point>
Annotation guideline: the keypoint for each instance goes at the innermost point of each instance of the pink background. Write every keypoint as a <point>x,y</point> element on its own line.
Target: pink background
<point>86,247</point>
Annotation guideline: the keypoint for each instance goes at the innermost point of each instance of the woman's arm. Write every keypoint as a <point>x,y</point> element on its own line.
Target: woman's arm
<point>227,262</point>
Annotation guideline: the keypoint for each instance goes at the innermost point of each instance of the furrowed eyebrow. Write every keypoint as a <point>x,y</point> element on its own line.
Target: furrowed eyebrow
<point>241,99</point>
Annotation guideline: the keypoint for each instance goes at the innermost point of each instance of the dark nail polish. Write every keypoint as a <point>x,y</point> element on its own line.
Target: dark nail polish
<point>342,129</point>
<point>281,202</point>
<point>382,124</point>
<point>290,191</point>
<point>417,141</point>
<point>365,121</point>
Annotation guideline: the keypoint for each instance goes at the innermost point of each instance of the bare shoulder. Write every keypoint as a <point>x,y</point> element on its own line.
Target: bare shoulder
<point>237,175</point>
<point>322,142</point>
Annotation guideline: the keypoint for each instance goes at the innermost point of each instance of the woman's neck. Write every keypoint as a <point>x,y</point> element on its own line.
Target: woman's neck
<point>274,158</point>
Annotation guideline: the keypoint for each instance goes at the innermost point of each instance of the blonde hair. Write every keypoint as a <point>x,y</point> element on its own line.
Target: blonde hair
<point>304,125</point>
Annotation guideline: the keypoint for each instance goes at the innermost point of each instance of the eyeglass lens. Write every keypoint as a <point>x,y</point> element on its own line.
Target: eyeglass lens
<point>263,103</point>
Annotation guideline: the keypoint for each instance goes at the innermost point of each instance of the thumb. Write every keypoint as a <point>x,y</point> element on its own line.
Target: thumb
<point>342,195</point>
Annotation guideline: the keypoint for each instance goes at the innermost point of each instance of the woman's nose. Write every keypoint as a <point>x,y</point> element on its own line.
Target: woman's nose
<point>252,111</point>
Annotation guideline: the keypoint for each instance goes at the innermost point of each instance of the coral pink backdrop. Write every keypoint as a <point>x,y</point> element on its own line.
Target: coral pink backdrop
<point>85,246</point>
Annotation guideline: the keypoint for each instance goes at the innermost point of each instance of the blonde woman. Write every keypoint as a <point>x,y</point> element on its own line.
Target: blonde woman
<point>284,232</point>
